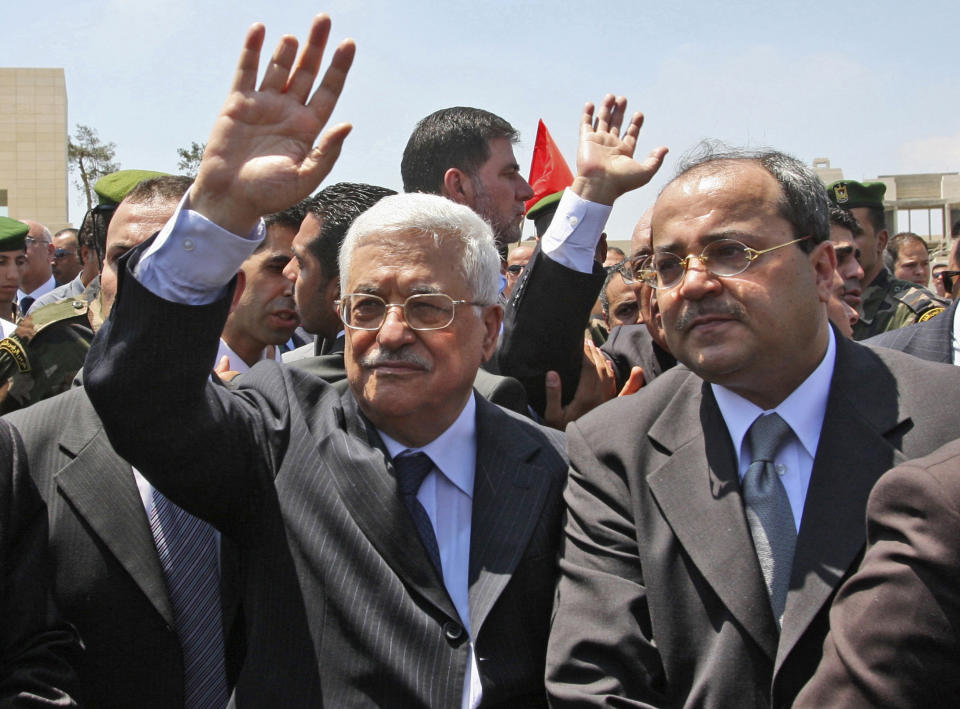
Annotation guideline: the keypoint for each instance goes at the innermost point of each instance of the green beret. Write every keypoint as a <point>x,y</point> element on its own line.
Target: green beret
<point>117,185</point>
<point>12,234</point>
<point>542,204</point>
<point>850,193</point>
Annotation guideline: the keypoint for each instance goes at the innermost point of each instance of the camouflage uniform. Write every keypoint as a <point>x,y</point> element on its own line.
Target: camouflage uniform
<point>42,357</point>
<point>890,303</point>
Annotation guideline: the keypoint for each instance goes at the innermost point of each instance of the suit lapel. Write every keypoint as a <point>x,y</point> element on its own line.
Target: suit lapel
<point>853,452</point>
<point>698,492</point>
<point>353,455</point>
<point>508,497</point>
<point>100,486</point>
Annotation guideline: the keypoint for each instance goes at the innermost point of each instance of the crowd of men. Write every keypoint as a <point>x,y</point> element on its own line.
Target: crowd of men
<point>271,444</point>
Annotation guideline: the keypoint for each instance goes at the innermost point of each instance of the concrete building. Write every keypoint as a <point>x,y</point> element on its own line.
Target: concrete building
<point>926,204</point>
<point>33,146</point>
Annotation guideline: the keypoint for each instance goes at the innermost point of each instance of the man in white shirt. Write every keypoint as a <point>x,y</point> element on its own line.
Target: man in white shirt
<point>712,516</point>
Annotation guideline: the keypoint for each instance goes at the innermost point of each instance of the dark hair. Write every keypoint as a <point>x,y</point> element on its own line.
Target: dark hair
<point>615,250</point>
<point>804,203</point>
<point>167,188</point>
<point>289,217</point>
<point>877,218</point>
<point>336,207</point>
<point>72,232</point>
<point>451,137</point>
<point>843,218</point>
<point>901,239</point>
<point>956,229</point>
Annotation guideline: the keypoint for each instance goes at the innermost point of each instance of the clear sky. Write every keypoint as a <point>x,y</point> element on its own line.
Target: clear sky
<point>870,85</point>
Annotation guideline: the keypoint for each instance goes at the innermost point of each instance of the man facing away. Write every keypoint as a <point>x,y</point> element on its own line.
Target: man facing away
<point>398,540</point>
<point>712,516</point>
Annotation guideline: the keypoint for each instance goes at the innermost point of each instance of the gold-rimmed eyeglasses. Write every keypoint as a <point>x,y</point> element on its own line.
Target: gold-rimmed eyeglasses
<point>421,311</point>
<point>723,257</point>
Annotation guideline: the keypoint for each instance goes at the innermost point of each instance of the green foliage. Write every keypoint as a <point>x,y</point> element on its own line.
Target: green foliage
<point>90,158</point>
<point>190,158</point>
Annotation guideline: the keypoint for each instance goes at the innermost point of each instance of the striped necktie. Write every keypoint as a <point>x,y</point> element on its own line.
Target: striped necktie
<point>188,554</point>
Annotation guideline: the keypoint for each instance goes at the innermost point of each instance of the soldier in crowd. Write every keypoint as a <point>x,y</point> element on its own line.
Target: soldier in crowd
<point>887,302</point>
<point>48,348</point>
<point>12,260</point>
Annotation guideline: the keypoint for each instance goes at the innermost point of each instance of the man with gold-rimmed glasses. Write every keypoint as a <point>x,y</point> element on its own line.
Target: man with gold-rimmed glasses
<point>712,515</point>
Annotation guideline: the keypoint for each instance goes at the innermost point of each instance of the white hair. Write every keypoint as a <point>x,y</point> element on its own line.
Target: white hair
<point>437,217</point>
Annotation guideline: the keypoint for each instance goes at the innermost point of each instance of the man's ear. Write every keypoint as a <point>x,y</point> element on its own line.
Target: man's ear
<point>882,237</point>
<point>824,261</point>
<point>238,291</point>
<point>331,291</point>
<point>492,318</point>
<point>458,186</point>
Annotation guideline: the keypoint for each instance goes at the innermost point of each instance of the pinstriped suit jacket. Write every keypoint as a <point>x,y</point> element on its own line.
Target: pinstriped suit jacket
<point>342,604</point>
<point>932,340</point>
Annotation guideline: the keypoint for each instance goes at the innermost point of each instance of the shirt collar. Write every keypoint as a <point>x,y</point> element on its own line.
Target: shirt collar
<point>803,410</point>
<point>453,452</point>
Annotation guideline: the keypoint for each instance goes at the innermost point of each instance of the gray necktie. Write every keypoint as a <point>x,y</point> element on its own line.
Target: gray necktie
<point>768,509</point>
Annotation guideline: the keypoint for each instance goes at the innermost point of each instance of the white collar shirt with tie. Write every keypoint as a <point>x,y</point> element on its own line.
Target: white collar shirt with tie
<point>447,496</point>
<point>803,410</point>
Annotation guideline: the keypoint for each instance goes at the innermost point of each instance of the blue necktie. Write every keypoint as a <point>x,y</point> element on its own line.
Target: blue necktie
<point>411,470</point>
<point>768,510</point>
<point>188,554</point>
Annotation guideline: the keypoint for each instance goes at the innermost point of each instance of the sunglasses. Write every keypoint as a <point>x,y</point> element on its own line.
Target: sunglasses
<point>949,278</point>
<point>60,253</point>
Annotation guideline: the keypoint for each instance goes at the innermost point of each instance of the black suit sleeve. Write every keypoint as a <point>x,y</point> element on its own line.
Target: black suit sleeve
<point>36,648</point>
<point>209,450</point>
<point>544,324</point>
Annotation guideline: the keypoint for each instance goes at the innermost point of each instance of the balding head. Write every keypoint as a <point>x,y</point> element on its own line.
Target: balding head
<point>39,255</point>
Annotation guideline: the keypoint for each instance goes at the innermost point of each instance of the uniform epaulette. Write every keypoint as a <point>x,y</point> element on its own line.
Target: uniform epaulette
<point>55,312</point>
<point>918,299</point>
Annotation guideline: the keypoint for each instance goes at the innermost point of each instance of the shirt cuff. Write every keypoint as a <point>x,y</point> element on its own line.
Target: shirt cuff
<point>572,237</point>
<point>192,259</point>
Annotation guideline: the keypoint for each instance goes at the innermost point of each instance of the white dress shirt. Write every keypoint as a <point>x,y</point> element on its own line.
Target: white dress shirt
<point>956,336</point>
<point>573,235</point>
<point>237,363</point>
<point>803,411</point>
<point>42,289</point>
<point>447,496</point>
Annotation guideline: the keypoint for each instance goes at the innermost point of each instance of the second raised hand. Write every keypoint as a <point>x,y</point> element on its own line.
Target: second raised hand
<point>606,168</point>
<point>263,154</point>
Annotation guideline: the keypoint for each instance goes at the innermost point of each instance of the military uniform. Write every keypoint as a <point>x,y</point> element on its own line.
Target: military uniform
<point>42,357</point>
<point>890,303</point>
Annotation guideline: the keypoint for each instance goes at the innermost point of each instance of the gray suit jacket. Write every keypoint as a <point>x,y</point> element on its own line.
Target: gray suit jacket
<point>349,609</point>
<point>108,578</point>
<point>661,599</point>
<point>932,339</point>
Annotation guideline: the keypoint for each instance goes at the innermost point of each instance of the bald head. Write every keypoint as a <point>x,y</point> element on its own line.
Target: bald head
<point>640,241</point>
<point>37,271</point>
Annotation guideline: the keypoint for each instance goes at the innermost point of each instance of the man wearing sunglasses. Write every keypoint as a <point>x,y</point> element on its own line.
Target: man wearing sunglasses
<point>66,262</point>
<point>712,515</point>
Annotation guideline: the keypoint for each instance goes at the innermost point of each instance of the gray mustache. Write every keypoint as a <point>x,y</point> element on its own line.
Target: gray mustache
<point>381,357</point>
<point>691,311</point>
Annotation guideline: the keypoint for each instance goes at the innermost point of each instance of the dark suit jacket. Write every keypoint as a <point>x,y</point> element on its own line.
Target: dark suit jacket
<point>661,597</point>
<point>36,648</point>
<point>632,346</point>
<point>108,578</point>
<point>543,326</point>
<point>932,339</point>
<point>349,611</point>
<point>895,625</point>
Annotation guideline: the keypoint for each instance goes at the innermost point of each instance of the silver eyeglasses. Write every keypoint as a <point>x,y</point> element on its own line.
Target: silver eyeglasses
<point>422,311</point>
<point>724,257</point>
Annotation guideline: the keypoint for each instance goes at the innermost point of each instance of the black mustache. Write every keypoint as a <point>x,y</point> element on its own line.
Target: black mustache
<point>693,310</point>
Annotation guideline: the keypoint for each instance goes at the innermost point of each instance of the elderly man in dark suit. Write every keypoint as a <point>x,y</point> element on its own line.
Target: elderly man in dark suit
<point>894,639</point>
<point>712,516</point>
<point>398,541</point>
